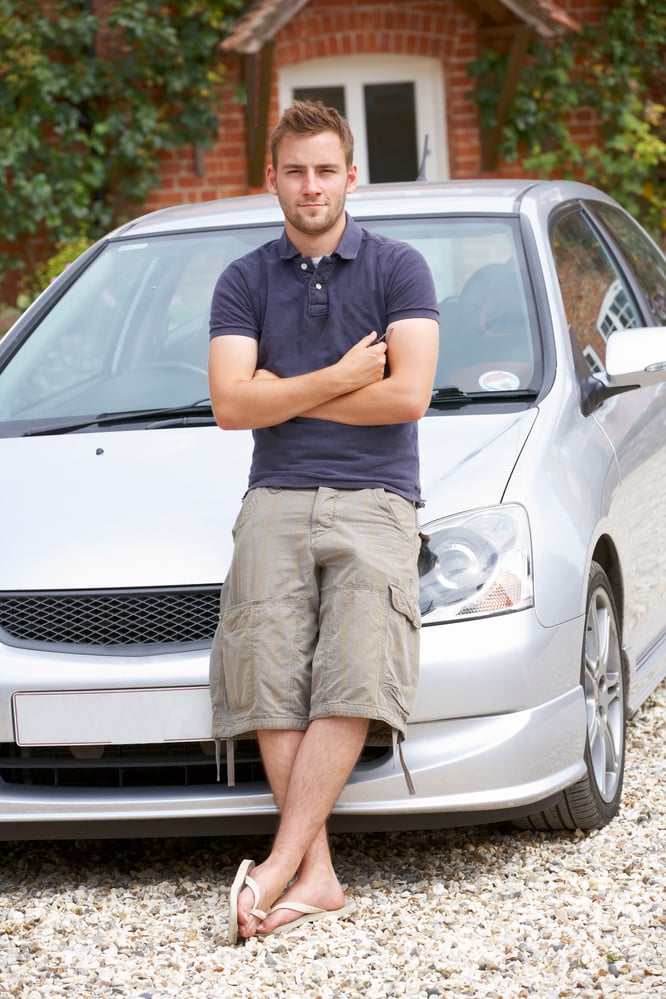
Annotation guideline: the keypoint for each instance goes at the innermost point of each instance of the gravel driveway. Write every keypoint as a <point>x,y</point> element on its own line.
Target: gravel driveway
<point>478,912</point>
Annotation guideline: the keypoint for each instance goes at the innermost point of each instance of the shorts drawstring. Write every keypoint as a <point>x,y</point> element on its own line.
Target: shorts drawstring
<point>398,754</point>
<point>231,760</point>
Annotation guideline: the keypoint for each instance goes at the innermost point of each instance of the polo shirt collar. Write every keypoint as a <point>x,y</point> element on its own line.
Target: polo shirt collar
<point>347,248</point>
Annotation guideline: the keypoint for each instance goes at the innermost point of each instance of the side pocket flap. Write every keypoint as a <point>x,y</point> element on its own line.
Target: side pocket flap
<point>404,604</point>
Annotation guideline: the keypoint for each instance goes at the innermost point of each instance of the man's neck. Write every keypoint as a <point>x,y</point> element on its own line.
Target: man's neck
<point>321,245</point>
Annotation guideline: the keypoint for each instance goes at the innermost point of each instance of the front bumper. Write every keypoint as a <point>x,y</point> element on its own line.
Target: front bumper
<point>477,768</point>
<point>499,725</point>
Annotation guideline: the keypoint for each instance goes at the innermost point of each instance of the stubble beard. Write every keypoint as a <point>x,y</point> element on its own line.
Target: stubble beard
<point>316,226</point>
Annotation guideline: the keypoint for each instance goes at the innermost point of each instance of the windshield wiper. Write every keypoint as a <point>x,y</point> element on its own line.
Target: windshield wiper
<point>451,395</point>
<point>198,413</point>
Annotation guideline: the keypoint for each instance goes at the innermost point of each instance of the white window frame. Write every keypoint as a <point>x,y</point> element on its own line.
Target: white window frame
<point>352,72</point>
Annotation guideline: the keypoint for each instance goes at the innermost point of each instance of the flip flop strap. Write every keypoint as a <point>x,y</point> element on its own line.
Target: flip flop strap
<point>307,910</point>
<point>254,888</point>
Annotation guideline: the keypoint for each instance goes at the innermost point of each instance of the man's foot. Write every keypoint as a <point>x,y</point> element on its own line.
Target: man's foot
<point>307,914</point>
<point>320,896</point>
<point>265,890</point>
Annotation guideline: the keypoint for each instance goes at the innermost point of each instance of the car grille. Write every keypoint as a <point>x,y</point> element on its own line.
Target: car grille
<point>184,764</point>
<point>112,619</point>
<point>164,765</point>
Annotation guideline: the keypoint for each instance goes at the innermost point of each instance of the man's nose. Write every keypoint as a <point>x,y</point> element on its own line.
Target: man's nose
<point>311,180</point>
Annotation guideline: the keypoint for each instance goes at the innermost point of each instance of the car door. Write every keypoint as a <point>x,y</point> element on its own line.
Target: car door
<point>602,292</point>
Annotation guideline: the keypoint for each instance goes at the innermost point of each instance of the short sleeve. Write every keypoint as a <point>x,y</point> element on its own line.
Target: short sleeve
<point>233,307</point>
<point>410,288</point>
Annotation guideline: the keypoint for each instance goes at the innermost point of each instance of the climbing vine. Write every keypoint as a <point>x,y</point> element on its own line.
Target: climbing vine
<point>614,71</point>
<point>91,95</point>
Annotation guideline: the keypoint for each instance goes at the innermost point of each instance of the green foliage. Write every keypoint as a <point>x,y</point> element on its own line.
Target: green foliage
<point>87,109</point>
<point>615,70</point>
<point>66,252</point>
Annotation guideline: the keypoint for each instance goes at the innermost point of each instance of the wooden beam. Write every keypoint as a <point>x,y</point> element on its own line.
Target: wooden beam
<point>257,73</point>
<point>546,18</point>
<point>517,53</point>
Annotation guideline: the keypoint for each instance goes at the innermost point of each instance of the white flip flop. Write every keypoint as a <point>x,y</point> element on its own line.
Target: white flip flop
<point>241,881</point>
<point>310,913</point>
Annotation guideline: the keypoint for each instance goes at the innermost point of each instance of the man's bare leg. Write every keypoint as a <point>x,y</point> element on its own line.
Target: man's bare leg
<point>317,881</point>
<point>320,762</point>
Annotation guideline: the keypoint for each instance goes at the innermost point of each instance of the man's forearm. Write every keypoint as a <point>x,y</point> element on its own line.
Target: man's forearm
<point>375,405</point>
<point>246,399</point>
<point>402,397</point>
<point>256,403</point>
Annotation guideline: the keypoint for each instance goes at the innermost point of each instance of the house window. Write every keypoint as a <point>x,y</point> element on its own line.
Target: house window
<point>616,312</point>
<point>394,105</point>
<point>333,97</point>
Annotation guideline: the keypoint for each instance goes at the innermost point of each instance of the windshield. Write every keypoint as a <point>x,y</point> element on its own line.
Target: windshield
<point>487,324</point>
<point>131,333</point>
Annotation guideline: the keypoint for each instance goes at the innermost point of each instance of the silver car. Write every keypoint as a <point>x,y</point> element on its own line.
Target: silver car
<point>543,584</point>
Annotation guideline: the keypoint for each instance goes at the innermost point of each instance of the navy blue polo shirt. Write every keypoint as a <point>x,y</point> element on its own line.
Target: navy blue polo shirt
<point>305,317</point>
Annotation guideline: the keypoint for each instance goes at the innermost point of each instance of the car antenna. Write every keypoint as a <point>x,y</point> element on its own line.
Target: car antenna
<point>426,154</point>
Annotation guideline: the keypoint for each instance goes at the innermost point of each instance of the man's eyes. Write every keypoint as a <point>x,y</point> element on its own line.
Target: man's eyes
<point>296,172</point>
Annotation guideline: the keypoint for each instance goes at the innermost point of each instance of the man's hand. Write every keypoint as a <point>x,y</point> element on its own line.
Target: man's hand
<point>401,397</point>
<point>363,364</point>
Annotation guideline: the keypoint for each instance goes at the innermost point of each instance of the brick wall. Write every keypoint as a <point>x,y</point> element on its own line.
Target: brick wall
<point>326,28</point>
<point>441,29</point>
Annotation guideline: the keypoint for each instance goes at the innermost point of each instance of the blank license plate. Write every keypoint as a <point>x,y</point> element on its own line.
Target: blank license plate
<point>112,717</point>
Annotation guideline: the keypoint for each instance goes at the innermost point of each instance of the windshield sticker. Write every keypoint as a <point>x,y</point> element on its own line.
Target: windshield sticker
<point>499,381</point>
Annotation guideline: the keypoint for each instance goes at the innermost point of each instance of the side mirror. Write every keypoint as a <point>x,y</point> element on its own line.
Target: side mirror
<point>636,357</point>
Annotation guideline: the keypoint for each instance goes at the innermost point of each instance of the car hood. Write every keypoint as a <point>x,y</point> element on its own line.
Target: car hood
<point>121,508</point>
<point>467,459</point>
<point>155,507</point>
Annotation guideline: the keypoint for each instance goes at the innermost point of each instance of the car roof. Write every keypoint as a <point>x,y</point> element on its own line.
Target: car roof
<point>372,201</point>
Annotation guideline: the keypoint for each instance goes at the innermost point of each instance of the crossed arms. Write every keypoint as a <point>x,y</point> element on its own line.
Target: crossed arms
<point>352,391</point>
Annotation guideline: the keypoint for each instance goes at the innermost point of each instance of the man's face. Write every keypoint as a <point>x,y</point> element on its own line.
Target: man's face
<point>311,182</point>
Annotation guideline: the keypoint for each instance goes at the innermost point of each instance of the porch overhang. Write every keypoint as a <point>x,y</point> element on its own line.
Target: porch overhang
<point>511,24</point>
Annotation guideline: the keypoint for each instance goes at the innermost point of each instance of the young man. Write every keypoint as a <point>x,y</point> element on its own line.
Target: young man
<point>324,343</point>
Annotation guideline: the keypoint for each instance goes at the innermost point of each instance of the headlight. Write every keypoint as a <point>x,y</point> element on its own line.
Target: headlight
<point>476,564</point>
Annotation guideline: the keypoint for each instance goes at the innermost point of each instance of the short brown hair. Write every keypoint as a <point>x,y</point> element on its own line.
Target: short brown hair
<point>311,118</point>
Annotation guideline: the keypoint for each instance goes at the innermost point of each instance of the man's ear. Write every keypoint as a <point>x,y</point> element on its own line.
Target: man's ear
<point>352,178</point>
<point>271,179</point>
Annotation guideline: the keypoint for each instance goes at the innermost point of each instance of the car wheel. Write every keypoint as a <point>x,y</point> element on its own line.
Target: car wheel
<point>593,801</point>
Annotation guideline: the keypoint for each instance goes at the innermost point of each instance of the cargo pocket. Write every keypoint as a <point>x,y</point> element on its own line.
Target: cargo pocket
<point>405,605</point>
<point>267,656</point>
<point>402,653</point>
<point>238,629</point>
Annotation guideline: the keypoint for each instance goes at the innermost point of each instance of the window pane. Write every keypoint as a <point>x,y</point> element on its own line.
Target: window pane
<point>488,328</point>
<point>332,97</point>
<point>391,130</point>
<point>646,263</point>
<point>596,300</point>
<point>130,333</point>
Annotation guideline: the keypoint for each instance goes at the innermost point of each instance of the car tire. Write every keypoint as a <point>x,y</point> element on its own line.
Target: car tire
<point>595,799</point>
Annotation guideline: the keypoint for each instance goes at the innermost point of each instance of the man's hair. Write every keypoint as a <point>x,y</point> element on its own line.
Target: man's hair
<point>311,118</point>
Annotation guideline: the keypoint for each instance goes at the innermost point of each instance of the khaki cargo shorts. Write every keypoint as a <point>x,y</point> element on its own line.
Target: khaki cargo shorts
<point>319,613</point>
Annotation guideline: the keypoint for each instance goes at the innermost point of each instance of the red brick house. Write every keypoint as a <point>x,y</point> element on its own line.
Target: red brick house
<point>397,68</point>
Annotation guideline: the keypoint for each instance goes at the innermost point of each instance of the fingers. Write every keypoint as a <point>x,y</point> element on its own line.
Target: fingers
<point>374,339</point>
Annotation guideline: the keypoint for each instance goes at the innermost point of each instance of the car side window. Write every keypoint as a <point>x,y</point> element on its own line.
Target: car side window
<point>640,254</point>
<point>597,299</point>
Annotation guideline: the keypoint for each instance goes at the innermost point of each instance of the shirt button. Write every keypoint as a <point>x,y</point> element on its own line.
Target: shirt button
<point>304,266</point>
<point>318,286</point>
